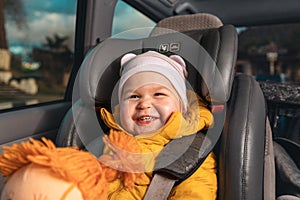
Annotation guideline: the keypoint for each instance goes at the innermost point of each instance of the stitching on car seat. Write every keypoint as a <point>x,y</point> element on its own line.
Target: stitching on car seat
<point>267,137</point>
<point>234,58</point>
<point>232,61</point>
<point>219,47</point>
<point>216,59</point>
<point>234,103</point>
<point>245,161</point>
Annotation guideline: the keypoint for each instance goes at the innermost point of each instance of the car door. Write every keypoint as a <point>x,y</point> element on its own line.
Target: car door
<point>37,58</point>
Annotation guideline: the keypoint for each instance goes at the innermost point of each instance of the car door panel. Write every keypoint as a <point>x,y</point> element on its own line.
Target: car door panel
<point>35,122</point>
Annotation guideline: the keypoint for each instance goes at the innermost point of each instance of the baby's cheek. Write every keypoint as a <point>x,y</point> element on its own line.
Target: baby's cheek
<point>168,108</point>
<point>171,103</point>
<point>125,118</point>
<point>127,124</point>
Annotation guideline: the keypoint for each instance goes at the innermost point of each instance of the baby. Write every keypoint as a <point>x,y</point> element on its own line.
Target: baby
<point>154,108</point>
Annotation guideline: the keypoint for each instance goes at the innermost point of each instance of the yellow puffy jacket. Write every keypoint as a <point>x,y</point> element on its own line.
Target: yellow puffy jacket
<point>135,156</point>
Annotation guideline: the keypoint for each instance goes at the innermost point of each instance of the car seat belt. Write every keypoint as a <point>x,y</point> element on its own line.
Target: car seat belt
<point>160,187</point>
<point>165,177</point>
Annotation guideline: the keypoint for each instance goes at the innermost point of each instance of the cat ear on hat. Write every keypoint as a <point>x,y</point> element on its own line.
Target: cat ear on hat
<point>127,57</point>
<point>178,59</point>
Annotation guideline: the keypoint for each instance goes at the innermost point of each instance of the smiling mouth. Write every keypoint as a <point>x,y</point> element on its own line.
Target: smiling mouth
<point>146,118</point>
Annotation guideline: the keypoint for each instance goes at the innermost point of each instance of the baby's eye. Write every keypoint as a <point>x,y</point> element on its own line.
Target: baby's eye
<point>134,96</point>
<point>159,94</point>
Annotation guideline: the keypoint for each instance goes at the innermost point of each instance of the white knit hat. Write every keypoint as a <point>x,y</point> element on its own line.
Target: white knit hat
<point>172,68</point>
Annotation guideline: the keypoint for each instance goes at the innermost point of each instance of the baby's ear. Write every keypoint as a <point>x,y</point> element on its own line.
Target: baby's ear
<point>127,57</point>
<point>181,62</point>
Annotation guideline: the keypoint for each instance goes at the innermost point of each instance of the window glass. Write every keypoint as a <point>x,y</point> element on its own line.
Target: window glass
<point>36,50</point>
<point>271,55</point>
<point>127,18</point>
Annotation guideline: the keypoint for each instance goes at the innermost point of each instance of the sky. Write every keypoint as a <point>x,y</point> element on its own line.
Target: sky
<point>44,18</point>
<point>49,17</point>
<point>134,19</point>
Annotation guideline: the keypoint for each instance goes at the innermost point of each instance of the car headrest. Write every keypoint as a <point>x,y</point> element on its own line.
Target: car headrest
<point>208,47</point>
<point>220,43</point>
<point>210,55</point>
<point>183,23</point>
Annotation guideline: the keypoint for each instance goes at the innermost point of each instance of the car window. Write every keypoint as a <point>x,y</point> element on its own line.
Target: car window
<point>126,18</point>
<point>36,50</point>
<point>271,54</point>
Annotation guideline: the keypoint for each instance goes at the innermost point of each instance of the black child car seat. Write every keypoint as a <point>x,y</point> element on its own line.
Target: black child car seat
<point>210,48</point>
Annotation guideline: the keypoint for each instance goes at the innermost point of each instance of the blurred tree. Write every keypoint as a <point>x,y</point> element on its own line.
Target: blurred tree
<point>55,58</point>
<point>56,43</point>
<point>14,11</point>
<point>3,42</point>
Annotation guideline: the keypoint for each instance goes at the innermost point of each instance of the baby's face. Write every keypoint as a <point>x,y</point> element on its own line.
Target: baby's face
<point>146,108</point>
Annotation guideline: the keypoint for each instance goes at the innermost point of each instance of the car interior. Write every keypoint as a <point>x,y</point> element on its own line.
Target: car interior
<point>205,34</point>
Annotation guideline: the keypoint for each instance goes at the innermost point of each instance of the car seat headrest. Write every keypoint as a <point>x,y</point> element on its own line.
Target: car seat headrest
<point>99,72</point>
<point>183,23</point>
<point>220,42</point>
<point>210,55</point>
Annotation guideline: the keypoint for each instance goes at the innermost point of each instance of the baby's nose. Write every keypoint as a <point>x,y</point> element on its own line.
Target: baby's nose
<point>144,103</point>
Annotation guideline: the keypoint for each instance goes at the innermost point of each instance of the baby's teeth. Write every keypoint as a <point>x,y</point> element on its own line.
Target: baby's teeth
<point>146,118</point>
